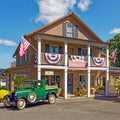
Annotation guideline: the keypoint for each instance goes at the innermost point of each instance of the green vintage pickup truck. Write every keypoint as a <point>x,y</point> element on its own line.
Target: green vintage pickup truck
<point>31,91</point>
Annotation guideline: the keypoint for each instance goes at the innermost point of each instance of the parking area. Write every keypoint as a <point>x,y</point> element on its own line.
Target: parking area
<point>94,108</point>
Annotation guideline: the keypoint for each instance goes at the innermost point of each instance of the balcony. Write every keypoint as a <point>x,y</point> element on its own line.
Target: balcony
<point>74,61</point>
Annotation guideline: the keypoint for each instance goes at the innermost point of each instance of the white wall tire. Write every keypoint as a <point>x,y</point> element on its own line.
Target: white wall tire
<point>52,99</point>
<point>21,104</point>
<point>31,97</point>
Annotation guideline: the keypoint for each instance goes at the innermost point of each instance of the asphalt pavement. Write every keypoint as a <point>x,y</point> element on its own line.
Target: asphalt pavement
<point>77,108</point>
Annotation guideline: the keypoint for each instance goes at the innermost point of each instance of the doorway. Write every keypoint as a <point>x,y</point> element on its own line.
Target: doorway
<point>70,84</point>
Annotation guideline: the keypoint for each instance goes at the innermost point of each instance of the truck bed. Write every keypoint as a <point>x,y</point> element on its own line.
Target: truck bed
<point>51,87</point>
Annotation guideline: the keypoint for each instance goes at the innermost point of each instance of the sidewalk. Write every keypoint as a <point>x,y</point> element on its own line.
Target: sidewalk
<point>94,97</point>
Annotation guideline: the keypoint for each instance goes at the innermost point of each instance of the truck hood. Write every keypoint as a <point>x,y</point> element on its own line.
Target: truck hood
<point>23,92</point>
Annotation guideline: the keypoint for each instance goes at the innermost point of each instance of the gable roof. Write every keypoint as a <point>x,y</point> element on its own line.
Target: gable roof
<point>46,27</point>
<point>75,17</point>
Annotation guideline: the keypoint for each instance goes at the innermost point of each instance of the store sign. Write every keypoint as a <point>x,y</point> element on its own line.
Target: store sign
<point>49,73</point>
<point>78,64</point>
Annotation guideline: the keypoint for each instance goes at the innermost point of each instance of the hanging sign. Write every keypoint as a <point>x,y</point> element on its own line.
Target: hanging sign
<point>49,73</point>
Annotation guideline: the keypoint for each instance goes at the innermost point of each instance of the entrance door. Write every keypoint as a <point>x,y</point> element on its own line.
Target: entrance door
<point>70,84</point>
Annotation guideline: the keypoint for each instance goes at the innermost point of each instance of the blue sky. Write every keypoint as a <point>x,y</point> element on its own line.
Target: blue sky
<point>19,17</point>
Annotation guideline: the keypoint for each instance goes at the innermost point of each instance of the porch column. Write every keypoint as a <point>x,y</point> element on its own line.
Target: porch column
<point>11,80</point>
<point>65,70</point>
<point>107,71</point>
<point>39,58</point>
<point>7,82</point>
<point>88,83</point>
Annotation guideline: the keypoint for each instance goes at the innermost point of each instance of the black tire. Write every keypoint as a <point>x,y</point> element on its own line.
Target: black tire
<point>21,104</point>
<point>31,97</point>
<point>51,99</point>
<point>7,102</point>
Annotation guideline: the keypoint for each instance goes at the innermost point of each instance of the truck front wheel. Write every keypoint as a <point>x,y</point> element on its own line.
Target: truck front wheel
<point>51,98</point>
<point>21,103</point>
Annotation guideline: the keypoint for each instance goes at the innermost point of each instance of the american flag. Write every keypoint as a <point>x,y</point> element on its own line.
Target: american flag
<point>114,55</point>
<point>23,46</point>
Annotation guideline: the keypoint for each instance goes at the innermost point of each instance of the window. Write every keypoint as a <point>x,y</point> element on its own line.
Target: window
<point>21,60</point>
<point>26,56</point>
<point>17,61</point>
<point>92,80</point>
<point>82,51</point>
<point>52,79</point>
<point>53,49</point>
<point>79,51</point>
<point>83,80</point>
<point>70,30</point>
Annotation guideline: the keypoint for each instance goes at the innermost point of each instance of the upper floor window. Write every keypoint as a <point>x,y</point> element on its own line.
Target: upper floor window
<point>82,51</point>
<point>21,60</point>
<point>53,49</point>
<point>26,56</point>
<point>70,30</point>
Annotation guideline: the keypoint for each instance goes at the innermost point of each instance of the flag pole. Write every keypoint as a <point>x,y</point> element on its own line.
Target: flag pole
<point>33,47</point>
<point>30,44</point>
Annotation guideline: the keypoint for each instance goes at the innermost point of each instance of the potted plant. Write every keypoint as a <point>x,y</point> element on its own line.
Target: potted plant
<point>102,90</point>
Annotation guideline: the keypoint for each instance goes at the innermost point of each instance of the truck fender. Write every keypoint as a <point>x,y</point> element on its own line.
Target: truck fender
<point>8,96</point>
<point>21,98</point>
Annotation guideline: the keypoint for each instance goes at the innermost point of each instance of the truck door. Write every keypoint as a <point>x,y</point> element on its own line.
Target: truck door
<point>39,89</point>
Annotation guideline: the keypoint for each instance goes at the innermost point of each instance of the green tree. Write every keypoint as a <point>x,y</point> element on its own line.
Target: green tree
<point>115,43</point>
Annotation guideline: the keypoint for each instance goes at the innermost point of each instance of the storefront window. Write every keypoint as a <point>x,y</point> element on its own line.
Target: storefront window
<point>83,80</point>
<point>92,80</point>
<point>52,79</point>
<point>19,78</point>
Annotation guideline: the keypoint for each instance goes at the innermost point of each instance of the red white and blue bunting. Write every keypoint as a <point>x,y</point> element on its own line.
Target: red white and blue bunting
<point>98,61</point>
<point>77,58</point>
<point>52,58</point>
<point>35,58</point>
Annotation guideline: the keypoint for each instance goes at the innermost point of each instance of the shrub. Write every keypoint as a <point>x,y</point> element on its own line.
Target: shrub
<point>3,93</point>
<point>101,87</point>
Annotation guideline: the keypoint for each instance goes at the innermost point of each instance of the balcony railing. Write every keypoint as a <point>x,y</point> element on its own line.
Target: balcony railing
<point>74,61</point>
<point>52,59</point>
<point>98,62</point>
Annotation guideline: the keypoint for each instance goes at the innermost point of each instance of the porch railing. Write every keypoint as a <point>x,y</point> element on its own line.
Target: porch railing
<point>98,62</point>
<point>52,59</point>
<point>59,59</point>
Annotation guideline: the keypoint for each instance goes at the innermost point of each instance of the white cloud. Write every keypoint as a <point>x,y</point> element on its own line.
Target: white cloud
<point>114,31</point>
<point>7,42</point>
<point>84,5</point>
<point>50,10</point>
